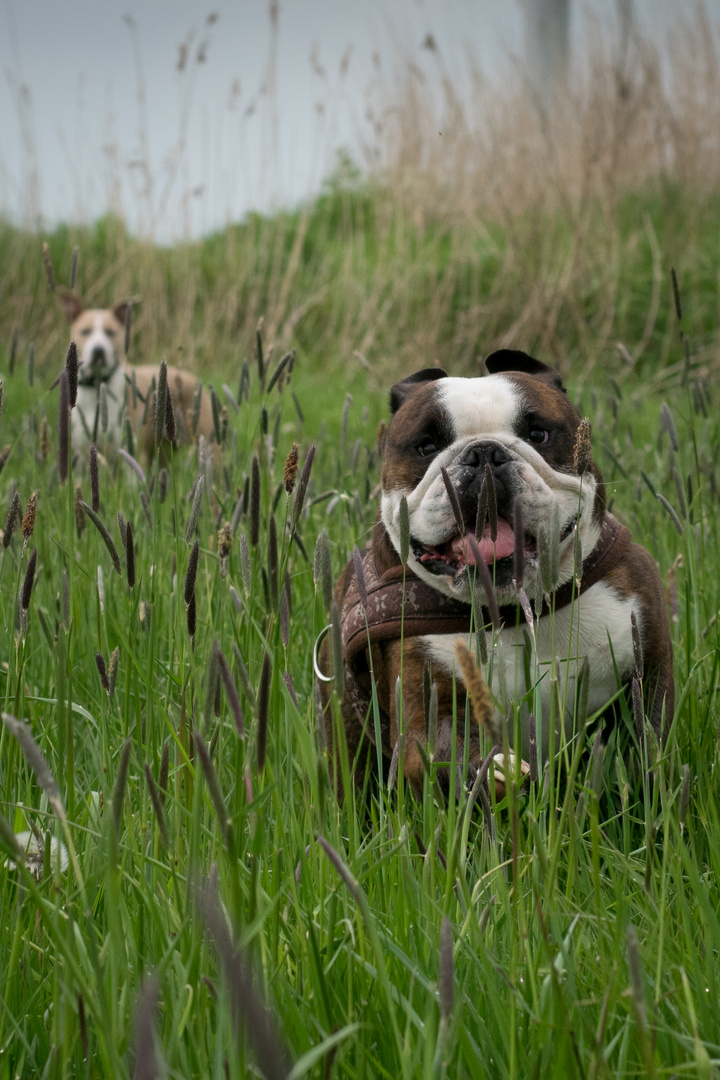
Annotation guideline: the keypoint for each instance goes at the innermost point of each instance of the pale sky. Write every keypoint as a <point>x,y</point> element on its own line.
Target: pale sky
<point>94,112</point>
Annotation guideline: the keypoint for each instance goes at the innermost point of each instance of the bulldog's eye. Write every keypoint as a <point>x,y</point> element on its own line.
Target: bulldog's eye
<point>85,331</point>
<point>110,332</point>
<point>426,448</point>
<point>538,436</point>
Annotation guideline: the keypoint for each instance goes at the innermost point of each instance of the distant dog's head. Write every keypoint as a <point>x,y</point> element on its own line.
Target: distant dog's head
<point>518,423</point>
<point>99,335</point>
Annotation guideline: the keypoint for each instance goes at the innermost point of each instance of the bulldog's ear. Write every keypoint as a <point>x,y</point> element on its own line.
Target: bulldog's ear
<point>514,360</point>
<point>71,305</point>
<point>401,391</point>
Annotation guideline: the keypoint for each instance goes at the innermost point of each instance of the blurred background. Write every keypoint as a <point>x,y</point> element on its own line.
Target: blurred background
<point>182,116</point>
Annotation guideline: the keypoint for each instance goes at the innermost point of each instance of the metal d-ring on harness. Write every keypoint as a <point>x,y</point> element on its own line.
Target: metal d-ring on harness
<point>316,649</point>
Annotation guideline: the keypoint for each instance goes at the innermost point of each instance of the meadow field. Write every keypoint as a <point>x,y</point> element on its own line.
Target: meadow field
<point>181,895</point>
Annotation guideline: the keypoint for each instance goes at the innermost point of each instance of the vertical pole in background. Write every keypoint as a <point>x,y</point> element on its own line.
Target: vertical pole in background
<point>547,46</point>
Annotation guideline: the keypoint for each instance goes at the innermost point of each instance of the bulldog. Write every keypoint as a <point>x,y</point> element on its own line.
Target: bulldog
<point>99,334</point>
<point>567,622</point>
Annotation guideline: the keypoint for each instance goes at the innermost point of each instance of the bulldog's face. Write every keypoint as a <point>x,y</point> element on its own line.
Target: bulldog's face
<point>516,421</point>
<point>99,335</point>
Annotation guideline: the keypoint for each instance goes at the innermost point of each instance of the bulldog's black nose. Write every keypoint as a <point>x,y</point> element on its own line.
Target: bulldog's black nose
<point>478,455</point>
<point>97,356</point>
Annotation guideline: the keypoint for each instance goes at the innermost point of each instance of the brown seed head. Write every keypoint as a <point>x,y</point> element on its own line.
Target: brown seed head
<point>291,468</point>
<point>582,454</point>
<point>480,700</point>
<point>102,672</point>
<point>28,521</point>
<point>43,439</point>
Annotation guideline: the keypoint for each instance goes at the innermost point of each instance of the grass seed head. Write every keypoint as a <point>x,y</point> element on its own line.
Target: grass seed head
<point>480,700</point>
<point>454,504</point>
<point>102,672</point>
<point>191,616</point>
<point>255,501</point>
<point>107,538</point>
<point>170,428</point>
<point>263,705</point>
<point>161,395</point>
<point>291,468</point>
<point>231,692</point>
<point>191,572</point>
<point>130,555</point>
<point>36,760</point>
<point>582,452</point>
<point>404,526</point>
<point>195,511</point>
<point>63,427</point>
<point>28,580</point>
<point>322,568</point>
<point>28,521</point>
<point>273,561</point>
<point>303,485</point>
<point>113,671</point>
<point>13,516</point>
<point>4,455</point>
<point>245,567</point>
<point>43,439</point>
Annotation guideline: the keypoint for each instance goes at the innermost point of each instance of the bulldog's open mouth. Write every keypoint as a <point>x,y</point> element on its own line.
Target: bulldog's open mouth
<point>459,552</point>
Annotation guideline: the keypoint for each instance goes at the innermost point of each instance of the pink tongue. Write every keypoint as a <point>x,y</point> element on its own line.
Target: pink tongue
<point>503,546</point>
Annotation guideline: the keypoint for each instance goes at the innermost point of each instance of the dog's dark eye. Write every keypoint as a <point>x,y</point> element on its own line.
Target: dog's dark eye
<point>538,436</point>
<point>110,332</point>
<point>85,331</point>
<point>426,448</point>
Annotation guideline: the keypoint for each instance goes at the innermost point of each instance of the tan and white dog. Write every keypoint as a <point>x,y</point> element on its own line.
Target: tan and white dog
<point>448,440</point>
<point>99,334</point>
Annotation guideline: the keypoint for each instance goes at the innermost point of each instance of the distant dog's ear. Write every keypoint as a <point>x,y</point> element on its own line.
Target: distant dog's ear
<point>120,311</point>
<point>71,305</point>
<point>514,360</point>
<point>401,391</point>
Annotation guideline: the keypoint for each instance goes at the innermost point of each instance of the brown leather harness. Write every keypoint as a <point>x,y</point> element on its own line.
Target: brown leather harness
<point>401,604</point>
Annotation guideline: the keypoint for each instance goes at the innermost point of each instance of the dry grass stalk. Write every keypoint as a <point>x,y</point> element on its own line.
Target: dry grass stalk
<point>480,700</point>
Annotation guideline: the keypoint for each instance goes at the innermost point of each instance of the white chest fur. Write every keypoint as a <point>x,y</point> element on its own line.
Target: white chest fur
<point>596,628</point>
<point>88,407</point>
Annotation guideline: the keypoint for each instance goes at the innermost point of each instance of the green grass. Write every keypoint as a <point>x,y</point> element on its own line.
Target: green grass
<point>542,912</point>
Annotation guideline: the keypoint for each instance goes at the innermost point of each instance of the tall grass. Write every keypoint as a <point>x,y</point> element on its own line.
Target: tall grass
<point>584,924</point>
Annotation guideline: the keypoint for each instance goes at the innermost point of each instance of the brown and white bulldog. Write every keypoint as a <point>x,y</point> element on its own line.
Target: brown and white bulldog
<point>99,334</point>
<point>517,422</point>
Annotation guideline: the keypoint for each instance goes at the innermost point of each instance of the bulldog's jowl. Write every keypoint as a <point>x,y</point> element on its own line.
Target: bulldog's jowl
<point>506,443</point>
